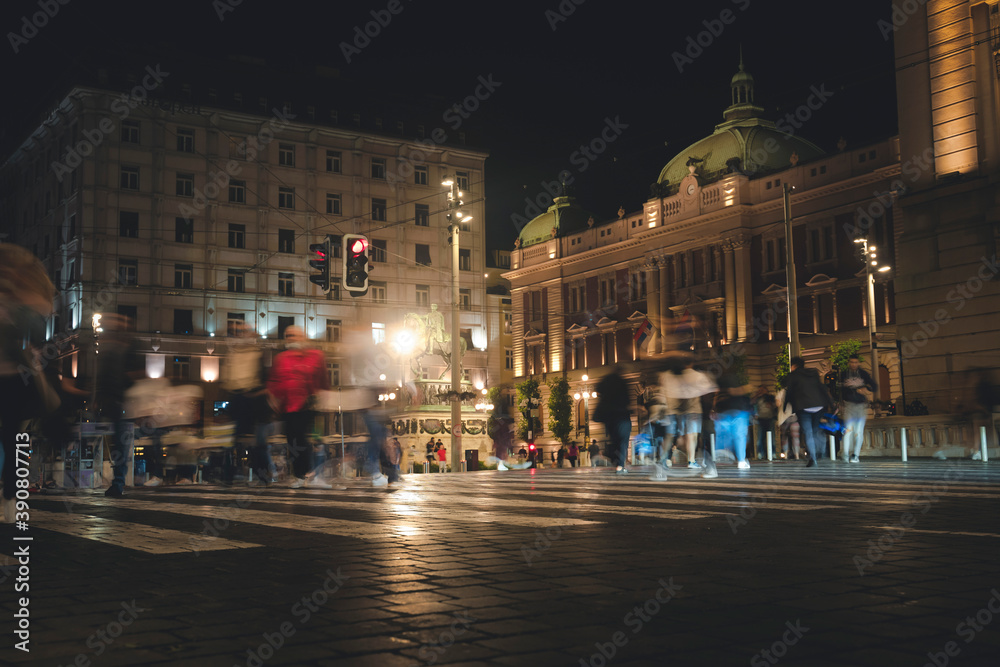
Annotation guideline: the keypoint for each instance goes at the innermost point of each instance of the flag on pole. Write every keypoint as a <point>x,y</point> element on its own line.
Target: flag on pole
<point>642,333</point>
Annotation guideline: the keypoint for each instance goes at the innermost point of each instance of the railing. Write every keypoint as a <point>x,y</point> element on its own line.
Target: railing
<point>950,436</point>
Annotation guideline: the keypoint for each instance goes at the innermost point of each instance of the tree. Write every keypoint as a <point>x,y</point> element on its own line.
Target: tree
<point>841,352</point>
<point>781,368</point>
<point>560,410</point>
<point>528,398</point>
<point>493,395</point>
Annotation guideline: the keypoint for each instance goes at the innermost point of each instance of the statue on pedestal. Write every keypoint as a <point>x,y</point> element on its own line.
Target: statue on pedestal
<point>428,330</point>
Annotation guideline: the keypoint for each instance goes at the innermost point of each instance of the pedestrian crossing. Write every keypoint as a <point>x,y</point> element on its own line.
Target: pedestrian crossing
<point>521,500</point>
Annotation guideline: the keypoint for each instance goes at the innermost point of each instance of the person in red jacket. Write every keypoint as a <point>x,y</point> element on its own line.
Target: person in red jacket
<point>297,375</point>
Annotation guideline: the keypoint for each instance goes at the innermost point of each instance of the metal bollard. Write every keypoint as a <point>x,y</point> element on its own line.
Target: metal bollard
<point>831,442</point>
<point>711,439</point>
<point>409,469</point>
<point>982,444</point>
<point>902,441</point>
<point>427,466</point>
<point>770,448</point>
<point>464,466</point>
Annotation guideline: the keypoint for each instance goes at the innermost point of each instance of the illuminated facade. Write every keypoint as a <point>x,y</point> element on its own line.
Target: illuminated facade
<point>191,220</point>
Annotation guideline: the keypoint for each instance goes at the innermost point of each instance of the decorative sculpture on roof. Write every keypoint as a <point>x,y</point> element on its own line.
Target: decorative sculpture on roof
<point>692,164</point>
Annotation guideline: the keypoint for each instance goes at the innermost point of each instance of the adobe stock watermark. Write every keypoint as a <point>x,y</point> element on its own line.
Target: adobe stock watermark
<point>749,509</point>
<point>363,35</point>
<point>636,619</point>
<point>30,27</point>
<point>922,501</point>
<point>562,12</point>
<point>223,7</point>
<point>121,107</point>
<point>779,649</point>
<point>433,651</point>
<point>714,28</point>
<point>956,298</point>
<point>302,610</point>
<point>901,13</point>
<point>581,158</point>
<point>104,637</point>
<point>967,629</point>
<point>865,216</point>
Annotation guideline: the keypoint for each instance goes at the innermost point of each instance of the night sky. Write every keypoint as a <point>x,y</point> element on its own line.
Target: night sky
<point>558,75</point>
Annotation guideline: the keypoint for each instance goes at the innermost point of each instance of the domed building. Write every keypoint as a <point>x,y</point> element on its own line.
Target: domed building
<point>701,265</point>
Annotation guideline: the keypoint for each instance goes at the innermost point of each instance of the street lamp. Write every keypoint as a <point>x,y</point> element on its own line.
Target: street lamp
<point>455,218</point>
<point>484,403</point>
<point>586,395</point>
<point>871,265</point>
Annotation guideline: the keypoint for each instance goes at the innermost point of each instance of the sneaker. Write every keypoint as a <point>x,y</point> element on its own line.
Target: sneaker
<point>185,480</point>
<point>112,492</point>
<point>501,466</point>
<point>710,473</point>
<point>296,484</point>
<point>810,463</point>
<point>694,465</point>
<point>153,481</point>
<point>743,465</point>
<point>855,459</point>
<point>668,463</point>
<point>318,483</point>
<point>380,480</point>
<point>659,474</point>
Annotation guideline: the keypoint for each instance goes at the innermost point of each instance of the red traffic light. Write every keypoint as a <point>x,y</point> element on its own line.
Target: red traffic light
<point>358,246</point>
<point>531,447</point>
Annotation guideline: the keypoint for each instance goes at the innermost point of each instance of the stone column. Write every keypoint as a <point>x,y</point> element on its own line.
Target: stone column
<point>664,293</point>
<point>653,307</point>
<point>744,291</point>
<point>729,268</point>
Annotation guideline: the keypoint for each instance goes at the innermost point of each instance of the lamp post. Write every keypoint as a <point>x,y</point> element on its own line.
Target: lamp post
<point>455,218</point>
<point>586,395</point>
<point>871,262</point>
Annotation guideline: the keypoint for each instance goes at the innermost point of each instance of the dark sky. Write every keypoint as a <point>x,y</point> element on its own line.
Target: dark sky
<point>557,87</point>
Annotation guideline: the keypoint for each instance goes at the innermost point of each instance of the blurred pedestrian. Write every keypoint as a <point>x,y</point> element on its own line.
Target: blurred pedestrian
<point>765,411</point>
<point>809,399</point>
<point>594,450</point>
<point>788,428</point>
<point>732,417</point>
<point>682,388</point>
<point>393,456</point>
<point>244,376</point>
<point>854,380</point>
<point>25,301</point>
<point>613,411</point>
<point>573,454</point>
<point>561,455</point>
<point>297,375</point>
<point>119,365</point>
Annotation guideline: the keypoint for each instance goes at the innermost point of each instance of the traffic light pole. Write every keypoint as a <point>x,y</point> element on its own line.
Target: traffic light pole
<point>456,350</point>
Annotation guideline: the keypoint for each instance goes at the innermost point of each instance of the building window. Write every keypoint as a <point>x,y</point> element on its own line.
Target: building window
<point>334,370</point>
<point>378,250</point>
<point>180,369</point>
<point>465,299</point>
<point>462,179</point>
<point>185,185</point>
<point>336,244</point>
<point>576,303</point>
<point>235,280</point>
<point>423,296</point>
<point>508,356</point>
<point>378,332</point>
<point>237,236</point>
<point>237,149</point>
<point>128,224</point>
<point>234,322</point>
<point>378,168</point>
<point>420,175</point>
<point>333,329</point>
<point>335,291</point>
<point>333,162</point>
<point>185,140</point>
<point>286,284</point>
<point>821,244</point>
<point>129,178</point>
<point>237,192</point>
<point>682,270</point>
<point>286,240</point>
<point>333,204</point>
<point>286,155</point>
<point>606,291</point>
<point>378,210</point>
<point>508,322</point>
<point>130,132</point>
<point>378,292</point>
<point>536,306</point>
<point>637,285</point>
<point>464,259</point>
<point>130,313</point>
<point>421,215</point>
<point>283,323</point>
<point>423,255</point>
<point>182,275</point>
<point>286,198</point>
<point>128,272</point>
<point>183,230</point>
<point>183,321</point>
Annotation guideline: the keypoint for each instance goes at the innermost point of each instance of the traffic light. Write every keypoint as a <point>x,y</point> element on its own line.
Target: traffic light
<point>319,259</point>
<point>356,264</point>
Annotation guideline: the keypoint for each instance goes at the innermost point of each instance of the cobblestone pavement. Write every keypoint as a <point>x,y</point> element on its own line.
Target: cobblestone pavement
<point>877,563</point>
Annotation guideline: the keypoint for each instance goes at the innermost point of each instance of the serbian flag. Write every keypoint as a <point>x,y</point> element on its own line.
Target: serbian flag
<point>642,333</point>
<point>684,324</point>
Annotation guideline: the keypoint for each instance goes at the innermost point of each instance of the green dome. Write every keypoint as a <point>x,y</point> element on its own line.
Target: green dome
<point>564,216</point>
<point>758,144</point>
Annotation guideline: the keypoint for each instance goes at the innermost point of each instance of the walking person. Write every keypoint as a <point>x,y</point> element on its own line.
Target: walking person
<point>788,428</point>
<point>809,398</point>
<point>244,376</point>
<point>573,455</point>
<point>682,388</point>
<point>732,417</point>
<point>594,451</point>
<point>393,457</point>
<point>561,455</point>
<point>853,381</point>
<point>613,411</point>
<point>297,375</point>
<point>118,367</point>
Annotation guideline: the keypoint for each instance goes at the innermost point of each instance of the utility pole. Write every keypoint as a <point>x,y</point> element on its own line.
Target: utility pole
<point>794,349</point>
